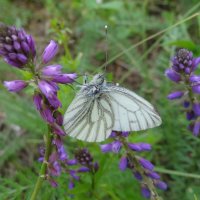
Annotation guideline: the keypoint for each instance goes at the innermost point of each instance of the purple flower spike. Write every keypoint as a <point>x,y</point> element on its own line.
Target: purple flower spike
<point>123,163</point>
<point>145,192</point>
<point>175,95</point>
<point>196,128</point>
<point>52,70</point>
<point>134,147</point>
<point>62,153</point>
<point>146,164</point>
<point>15,86</point>
<point>50,51</point>
<point>106,148</point>
<point>173,75</point>
<point>64,78</point>
<point>161,185</point>
<point>116,146</point>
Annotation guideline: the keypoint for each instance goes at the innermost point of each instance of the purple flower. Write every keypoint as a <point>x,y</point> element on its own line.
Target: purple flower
<point>138,176</point>
<point>116,146</point>
<point>173,75</point>
<point>123,163</point>
<point>194,78</point>
<point>153,175</point>
<point>196,88</point>
<point>175,95</point>
<point>196,108</point>
<point>134,147</point>
<point>15,86</point>
<point>84,157</point>
<point>52,70</point>
<point>37,99</point>
<point>145,146</point>
<point>161,185</point>
<point>59,118</point>
<point>64,78</point>
<point>190,115</point>
<point>145,192</point>
<point>46,88</point>
<point>47,115</point>
<point>15,46</point>
<point>106,148</point>
<point>83,169</point>
<point>50,51</point>
<point>62,153</point>
<point>146,164</point>
<point>72,162</point>
<point>58,130</point>
<point>196,128</point>
<point>71,185</point>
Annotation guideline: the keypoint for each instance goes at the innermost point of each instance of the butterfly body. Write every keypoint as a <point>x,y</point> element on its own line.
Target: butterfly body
<point>99,108</point>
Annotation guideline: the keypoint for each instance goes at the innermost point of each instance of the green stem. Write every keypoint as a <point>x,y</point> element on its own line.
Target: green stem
<point>43,167</point>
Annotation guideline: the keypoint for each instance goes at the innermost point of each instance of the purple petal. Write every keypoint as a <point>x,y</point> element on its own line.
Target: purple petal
<point>15,63</point>
<point>71,185</point>
<point>196,128</point>
<point>196,89</point>
<point>145,192</point>
<point>31,44</point>
<point>52,70</point>
<point>134,147</point>
<point>46,88</point>
<point>62,153</point>
<point>153,175</point>
<point>58,130</point>
<point>72,162</point>
<point>59,118</point>
<point>175,95</point>
<point>83,169</point>
<point>173,75</point>
<point>123,163</point>
<point>22,58</point>
<point>47,115</point>
<point>37,99</point>
<point>15,86</point>
<point>196,108</point>
<point>190,115</point>
<point>138,176</point>
<point>25,47</point>
<point>194,78</point>
<point>116,146</point>
<point>145,146</point>
<point>125,133</point>
<point>50,51</point>
<point>106,147</point>
<point>64,78</point>
<point>146,164</point>
<point>195,63</point>
<point>161,185</point>
<point>53,183</point>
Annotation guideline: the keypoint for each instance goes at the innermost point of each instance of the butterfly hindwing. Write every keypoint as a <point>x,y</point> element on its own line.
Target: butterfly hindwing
<point>132,112</point>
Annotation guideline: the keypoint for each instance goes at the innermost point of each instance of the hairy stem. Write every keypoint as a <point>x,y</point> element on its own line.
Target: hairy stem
<point>43,168</point>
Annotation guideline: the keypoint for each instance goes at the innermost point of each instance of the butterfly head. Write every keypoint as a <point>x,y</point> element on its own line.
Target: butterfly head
<point>98,79</point>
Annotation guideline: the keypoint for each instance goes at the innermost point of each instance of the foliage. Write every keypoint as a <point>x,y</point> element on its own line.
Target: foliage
<point>79,28</point>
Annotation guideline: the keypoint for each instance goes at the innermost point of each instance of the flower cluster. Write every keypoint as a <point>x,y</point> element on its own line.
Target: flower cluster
<point>59,161</point>
<point>18,50</point>
<point>141,168</point>
<point>182,73</point>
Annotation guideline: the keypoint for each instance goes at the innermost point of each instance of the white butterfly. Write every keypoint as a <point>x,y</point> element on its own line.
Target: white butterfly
<point>100,107</point>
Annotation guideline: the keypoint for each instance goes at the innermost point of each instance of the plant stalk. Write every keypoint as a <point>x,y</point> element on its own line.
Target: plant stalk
<point>43,168</point>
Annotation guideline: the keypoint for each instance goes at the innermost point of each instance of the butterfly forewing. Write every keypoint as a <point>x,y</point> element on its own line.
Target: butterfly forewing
<point>89,119</point>
<point>131,112</point>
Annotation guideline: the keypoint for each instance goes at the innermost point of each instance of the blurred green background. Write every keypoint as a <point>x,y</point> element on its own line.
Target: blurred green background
<point>78,26</point>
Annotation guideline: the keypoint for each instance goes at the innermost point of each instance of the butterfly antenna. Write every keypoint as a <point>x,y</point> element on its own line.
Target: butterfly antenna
<point>106,37</point>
